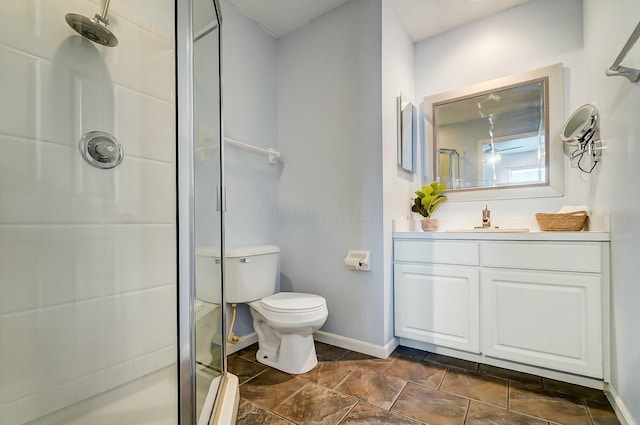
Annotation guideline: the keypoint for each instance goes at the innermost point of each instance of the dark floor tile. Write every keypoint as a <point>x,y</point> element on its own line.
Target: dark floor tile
<point>371,387</point>
<point>244,369</point>
<point>367,362</point>
<point>572,389</point>
<point>330,351</point>
<point>511,375</point>
<point>485,414</point>
<point>316,405</point>
<point>366,414</point>
<point>487,389</point>
<point>545,404</point>
<point>424,373</point>
<point>270,388</point>
<point>452,361</point>
<point>248,353</point>
<point>430,406</point>
<point>412,353</point>
<point>602,413</point>
<point>269,394</point>
<point>328,373</point>
<point>251,414</point>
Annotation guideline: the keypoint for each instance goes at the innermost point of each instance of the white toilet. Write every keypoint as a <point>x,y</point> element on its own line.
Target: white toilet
<point>285,321</point>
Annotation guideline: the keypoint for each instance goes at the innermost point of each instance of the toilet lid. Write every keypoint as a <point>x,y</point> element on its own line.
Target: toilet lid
<point>284,302</point>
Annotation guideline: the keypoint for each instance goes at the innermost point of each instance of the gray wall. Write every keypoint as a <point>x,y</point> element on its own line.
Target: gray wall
<point>250,116</point>
<point>329,110</point>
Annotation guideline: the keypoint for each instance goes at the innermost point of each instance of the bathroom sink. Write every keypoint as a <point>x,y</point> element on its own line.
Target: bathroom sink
<point>490,230</point>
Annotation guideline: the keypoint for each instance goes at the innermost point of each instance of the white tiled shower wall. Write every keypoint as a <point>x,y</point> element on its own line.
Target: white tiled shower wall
<point>87,256</point>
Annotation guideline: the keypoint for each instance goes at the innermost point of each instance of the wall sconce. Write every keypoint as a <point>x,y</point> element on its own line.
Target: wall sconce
<point>582,130</point>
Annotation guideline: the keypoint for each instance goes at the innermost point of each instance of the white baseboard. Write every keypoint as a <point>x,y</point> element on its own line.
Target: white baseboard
<point>244,342</point>
<point>619,407</point>
<point>380,351</point>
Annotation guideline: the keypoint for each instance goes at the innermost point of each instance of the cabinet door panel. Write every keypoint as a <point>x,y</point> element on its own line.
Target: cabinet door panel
<point>548,319</point>
<point>560,256</point>
<point>438,305</point>
<point>441,252</point>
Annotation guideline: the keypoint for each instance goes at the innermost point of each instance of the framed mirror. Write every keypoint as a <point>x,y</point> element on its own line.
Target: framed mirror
<point>499,139</point>
<point>407,132</point>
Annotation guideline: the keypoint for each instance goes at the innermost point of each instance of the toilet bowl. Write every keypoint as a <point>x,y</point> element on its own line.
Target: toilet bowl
<point>285,323</point>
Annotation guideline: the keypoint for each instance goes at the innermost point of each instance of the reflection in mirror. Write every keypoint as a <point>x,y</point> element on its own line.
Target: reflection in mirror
<point>496,135</point>
<point>493,139</point>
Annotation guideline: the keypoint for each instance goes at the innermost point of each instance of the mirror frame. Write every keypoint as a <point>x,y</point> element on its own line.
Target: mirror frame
<point>553,75</point>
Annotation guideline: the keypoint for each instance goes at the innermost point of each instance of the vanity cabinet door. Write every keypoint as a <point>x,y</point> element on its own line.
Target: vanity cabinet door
<point>543,318</point>
<point>438,304</point>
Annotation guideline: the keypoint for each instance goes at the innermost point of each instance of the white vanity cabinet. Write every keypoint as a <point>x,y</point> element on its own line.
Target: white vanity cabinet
<point>542,304</point>
<point>532,302</point>
<point>437,293</point>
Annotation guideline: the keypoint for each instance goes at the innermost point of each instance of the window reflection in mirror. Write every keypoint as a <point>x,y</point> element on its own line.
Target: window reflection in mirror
<point>498,135</point>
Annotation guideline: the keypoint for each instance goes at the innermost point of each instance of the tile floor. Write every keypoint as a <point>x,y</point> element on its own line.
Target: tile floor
<point>410,387</point>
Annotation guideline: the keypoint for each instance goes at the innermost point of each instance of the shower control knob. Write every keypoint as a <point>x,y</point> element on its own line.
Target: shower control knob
<point>101,149</point>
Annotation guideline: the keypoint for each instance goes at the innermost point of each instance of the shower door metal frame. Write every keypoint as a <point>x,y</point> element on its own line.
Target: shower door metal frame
<point>186,210</point>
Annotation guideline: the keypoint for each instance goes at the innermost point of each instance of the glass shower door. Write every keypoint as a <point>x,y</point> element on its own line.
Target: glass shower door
<point>209,308</point>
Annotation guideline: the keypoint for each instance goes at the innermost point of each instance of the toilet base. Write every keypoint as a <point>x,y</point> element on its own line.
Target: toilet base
<point>295,355</point>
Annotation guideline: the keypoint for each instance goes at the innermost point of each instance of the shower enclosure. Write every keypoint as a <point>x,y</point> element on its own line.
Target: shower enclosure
<point>100,318</point>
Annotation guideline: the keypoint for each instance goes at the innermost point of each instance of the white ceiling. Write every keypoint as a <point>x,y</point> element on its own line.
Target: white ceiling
<point>425,18</point>
<point>421,18</point>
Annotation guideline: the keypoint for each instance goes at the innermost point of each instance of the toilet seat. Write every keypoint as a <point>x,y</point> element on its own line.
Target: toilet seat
<point>291,310</point>
<point>293,302</point>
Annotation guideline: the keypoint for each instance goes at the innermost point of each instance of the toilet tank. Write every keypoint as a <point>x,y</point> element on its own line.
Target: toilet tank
<point>250,272</point>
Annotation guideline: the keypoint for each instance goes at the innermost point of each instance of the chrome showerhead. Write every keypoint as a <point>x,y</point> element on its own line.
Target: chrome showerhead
<point>94,29</point>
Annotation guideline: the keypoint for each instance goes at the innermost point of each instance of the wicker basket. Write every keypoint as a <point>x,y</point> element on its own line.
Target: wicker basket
<point>572,221</point>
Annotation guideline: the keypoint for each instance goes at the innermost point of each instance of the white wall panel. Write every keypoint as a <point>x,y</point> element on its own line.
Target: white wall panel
<point>144,123</point>
<point>50,183</point>
<point>18,173</point>
<point>17,85</point>
<point>141,193</point>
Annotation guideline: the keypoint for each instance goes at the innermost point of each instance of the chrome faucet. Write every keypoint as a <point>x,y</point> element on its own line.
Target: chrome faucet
<point>486,217</point>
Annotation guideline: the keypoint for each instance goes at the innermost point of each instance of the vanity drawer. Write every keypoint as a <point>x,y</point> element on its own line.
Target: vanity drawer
<point>443,252</point>
<point>561,256</point>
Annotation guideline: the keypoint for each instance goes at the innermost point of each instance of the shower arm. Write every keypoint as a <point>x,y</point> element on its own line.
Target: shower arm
<point>103,18</point>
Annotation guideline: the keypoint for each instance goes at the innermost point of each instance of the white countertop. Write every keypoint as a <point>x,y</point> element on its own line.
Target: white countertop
<point>581,236</point>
